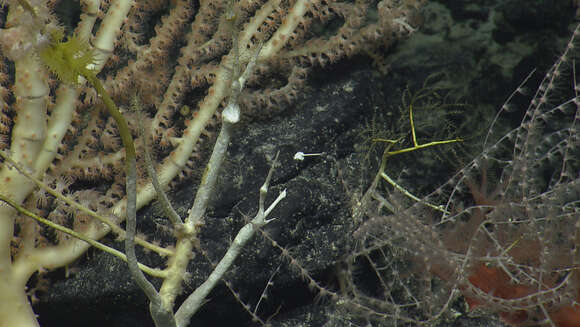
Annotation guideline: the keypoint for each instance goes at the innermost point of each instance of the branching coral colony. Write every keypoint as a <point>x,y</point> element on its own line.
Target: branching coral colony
<point>66,157</point>
<point>503,232</point>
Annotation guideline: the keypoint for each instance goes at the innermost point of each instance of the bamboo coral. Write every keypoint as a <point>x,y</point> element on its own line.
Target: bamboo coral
<point>60,137</point>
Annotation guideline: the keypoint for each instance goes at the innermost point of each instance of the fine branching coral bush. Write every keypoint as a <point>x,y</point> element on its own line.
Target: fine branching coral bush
<point>436,110</point>
<point>103,112</point>
<point>502,234</point>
